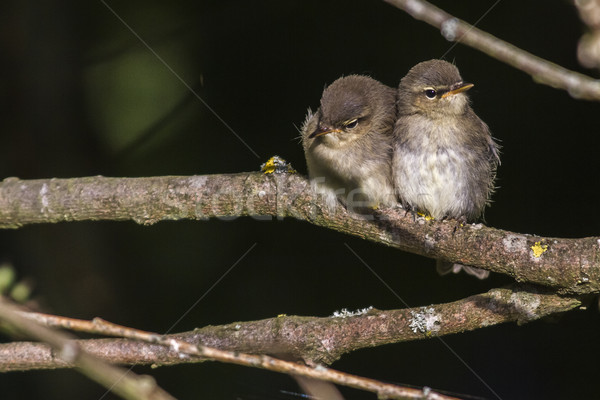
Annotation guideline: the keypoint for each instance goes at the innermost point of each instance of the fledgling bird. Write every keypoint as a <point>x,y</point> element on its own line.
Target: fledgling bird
<point>348,142</point>
<point>445,158</point>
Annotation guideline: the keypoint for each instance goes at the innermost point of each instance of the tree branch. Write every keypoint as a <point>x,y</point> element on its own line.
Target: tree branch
<point>315,340</point>
<point>64,348</point>
<point>198,351</point>
<point>571,266</point>
<point>453,29</point>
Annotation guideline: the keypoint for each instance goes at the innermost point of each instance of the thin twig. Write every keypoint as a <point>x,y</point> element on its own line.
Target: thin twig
<point>543,71</point>
<point>118,380</point>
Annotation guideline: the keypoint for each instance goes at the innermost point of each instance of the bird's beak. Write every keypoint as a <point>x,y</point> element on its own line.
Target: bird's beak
<point>323,131</point>
<point>457,88</point>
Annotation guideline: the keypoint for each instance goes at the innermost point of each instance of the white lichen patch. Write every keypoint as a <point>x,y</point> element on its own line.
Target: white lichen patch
<point>197,182</point>
<point>448,29</point>
<point>426,320</point>
<point>344,313</point>
<point>429,243</point>
<point>515,243</point>
<point>526,304</point>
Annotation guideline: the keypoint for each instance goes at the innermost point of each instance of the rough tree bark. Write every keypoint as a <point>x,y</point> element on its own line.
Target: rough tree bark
<point>570,266</point>
<point>312,339</point>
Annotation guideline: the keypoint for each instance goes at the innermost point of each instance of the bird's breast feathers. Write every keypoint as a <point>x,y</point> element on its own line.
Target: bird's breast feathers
<point>433,170</point>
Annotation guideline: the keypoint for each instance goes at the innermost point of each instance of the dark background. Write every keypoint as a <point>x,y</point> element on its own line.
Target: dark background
<point>81,95</point>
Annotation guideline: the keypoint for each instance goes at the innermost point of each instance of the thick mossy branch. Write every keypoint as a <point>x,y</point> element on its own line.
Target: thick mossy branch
<point>568,265</point>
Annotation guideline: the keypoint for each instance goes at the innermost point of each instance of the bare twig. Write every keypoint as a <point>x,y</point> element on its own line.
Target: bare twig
<point>315,340</point>
<point>118,380</point>
<point>453,29</point>
<point>568,265</point>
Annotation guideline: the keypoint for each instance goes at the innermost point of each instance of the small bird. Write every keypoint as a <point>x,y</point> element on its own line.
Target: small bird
<point>348,143</point>
<point>445,159</point>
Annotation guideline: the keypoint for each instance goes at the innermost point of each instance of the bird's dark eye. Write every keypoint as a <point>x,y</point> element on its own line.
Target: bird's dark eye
<point>430,93</point>
<point>351,124</point>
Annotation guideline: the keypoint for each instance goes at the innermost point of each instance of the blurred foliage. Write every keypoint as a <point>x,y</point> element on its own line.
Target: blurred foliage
<point>80,94</point>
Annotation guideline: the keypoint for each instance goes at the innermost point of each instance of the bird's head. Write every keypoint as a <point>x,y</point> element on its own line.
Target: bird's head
<point>435,88</point>
<point>351,107</point>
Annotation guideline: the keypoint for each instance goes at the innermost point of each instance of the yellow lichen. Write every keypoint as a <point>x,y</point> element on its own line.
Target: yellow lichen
<point>278,165</point>
<point>538,249</point>
<point>427,216</point>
